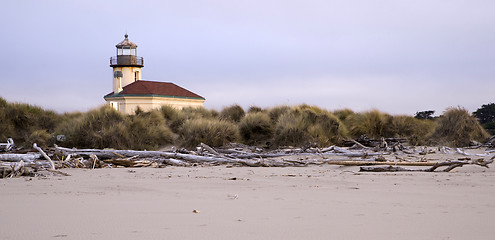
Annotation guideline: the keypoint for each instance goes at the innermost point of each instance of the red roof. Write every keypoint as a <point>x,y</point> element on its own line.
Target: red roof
<point>147,88</point>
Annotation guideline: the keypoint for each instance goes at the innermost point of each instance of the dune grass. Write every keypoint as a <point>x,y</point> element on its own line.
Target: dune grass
<point>303,125</point>
<point>233,113</point>
<point>212,132</point>
<point>19,121</point>
<point>300,125</point>
<point>104,127</point>
<point>457,128</point>
<point>256,129</point>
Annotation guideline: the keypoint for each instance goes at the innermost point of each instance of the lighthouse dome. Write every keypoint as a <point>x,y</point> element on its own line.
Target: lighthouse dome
<point>126,43</point>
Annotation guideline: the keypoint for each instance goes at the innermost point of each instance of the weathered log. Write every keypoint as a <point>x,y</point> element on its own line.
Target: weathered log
<point>368,163</point>
<point>462,152</point>
<point>387,169</point>
<point>7,146</point>
<point>209,149</point>
<point>256,155</point>
<point>174,162</point>
<point>12,157</point>
<point>358,144</point>
<point>105,154</point>
<point>52,165</point>
<point>450,165</point>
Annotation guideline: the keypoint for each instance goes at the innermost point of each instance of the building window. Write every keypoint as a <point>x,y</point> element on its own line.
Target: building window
<point>136,76</point>
<point>114,105</point>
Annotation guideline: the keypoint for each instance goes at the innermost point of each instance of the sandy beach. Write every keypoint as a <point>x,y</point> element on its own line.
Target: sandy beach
<point>319,202</point>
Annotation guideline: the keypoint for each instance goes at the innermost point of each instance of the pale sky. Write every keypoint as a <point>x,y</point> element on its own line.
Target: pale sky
<point>397,56</point>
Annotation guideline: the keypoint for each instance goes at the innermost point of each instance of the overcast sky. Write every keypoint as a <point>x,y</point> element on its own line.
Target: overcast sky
<point>398,56</point>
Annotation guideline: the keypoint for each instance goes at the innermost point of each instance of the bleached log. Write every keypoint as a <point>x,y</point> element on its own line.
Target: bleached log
<point>450,165</point>
<point>459,163</point>
<point>16,167</point>
<point>387,169</point>
<point>463,152</point>
<point>257,155</point>
<point>52,165</point>
<point>7,146</point>
<point>367,163</point>
<point>11,157</point>
<point>174,162</point>
<point>105,154</point>
<point>359,144</point>
<point>209,149</point>
<point>327,149</point>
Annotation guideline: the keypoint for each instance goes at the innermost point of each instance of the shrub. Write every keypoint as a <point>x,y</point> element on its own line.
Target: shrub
<point>277,111</point>
<point>256,128</point>
<point>41,137</point>
<point>308,124</point>
<point>87,130</point>
<point>416,131</point>
<point>174,117</point>
<point>457,128</point>
<point>7,129</point>
<point>107,128</point>
<point>116,136</point>
<point>209,131</point>
<point>343,114</point>
<point>19,121</point>
<point>148,130</point>
<point>372,124</point>
<point>254,109</point>
<point>290,131</point>
<point>199,112</point>
<point>327,129</point>
<point>232,113</point>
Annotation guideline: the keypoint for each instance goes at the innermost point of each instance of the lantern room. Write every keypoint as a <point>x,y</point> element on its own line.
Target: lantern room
<point>126,55</point>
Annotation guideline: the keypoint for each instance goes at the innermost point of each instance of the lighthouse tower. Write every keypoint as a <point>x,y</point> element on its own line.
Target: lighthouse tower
<point>126,65</point>
<point>130,92</point>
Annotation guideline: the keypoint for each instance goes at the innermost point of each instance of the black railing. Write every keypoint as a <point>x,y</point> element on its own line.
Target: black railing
<point>127,60</point>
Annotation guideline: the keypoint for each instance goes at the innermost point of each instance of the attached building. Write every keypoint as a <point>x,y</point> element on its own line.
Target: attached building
<point>130,92</point>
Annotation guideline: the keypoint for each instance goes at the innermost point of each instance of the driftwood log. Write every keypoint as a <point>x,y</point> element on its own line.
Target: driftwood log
<point>448,164</point>
<point>52,165</point>
<point>7,146</point>
<point>13,157</point>
<point>110,154</point>
<point>371,159</point>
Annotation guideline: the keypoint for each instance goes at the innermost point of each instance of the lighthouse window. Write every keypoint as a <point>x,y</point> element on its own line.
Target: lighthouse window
<point>136,76</point>
<point>114,105</point>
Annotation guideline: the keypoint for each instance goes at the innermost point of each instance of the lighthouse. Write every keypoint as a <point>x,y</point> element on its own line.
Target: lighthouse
<point>126,65</point>
<point>130,92</point>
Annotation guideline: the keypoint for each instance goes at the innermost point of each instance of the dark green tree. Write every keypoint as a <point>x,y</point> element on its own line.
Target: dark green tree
<point>486,113</point>
<point>486,116</point>
<point>425,114</point>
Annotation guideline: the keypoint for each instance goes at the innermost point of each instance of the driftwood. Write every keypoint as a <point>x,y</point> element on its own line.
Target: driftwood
<point>109,157</point>
<point>12,157</point>
<point>377,159</point>
<point>157,154</point>
<point>7,146</point>
<point>52,165</point>
<point>449,164</point>
<point>367,163</point>
<point>209,149</point>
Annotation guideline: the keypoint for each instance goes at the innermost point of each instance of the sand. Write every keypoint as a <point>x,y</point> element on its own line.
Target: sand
<point>318,202</point>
